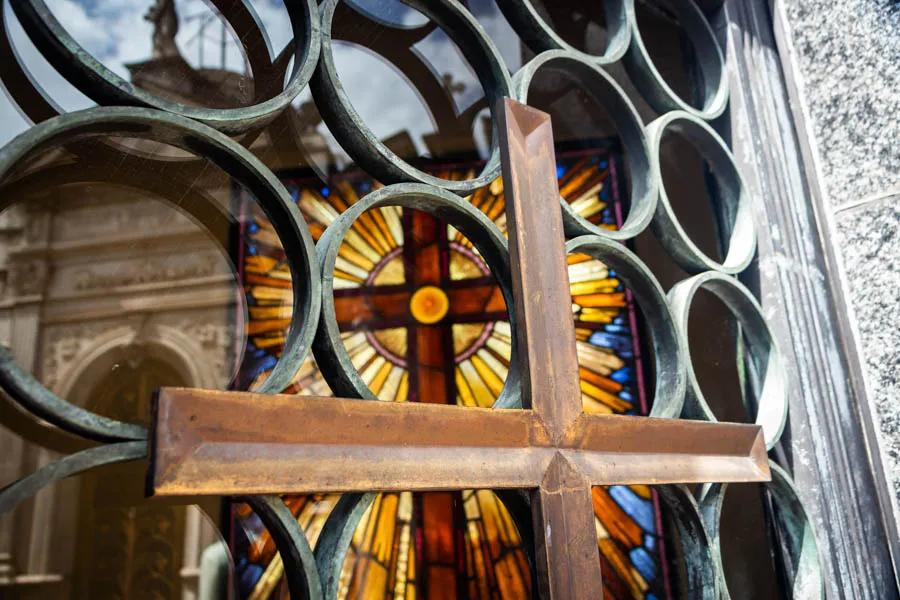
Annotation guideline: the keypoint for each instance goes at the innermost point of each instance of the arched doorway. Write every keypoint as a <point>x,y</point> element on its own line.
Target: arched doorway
<point>127,547</point>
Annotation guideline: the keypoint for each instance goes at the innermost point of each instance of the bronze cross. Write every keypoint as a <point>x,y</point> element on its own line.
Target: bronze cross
<point>235,443</point>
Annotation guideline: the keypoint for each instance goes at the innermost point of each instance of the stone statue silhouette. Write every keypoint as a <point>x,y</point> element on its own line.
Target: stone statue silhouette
<point>165,26</point>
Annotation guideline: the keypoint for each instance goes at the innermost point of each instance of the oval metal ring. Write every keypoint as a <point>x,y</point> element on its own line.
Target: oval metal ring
<point>232,158</point>
<point>331,355</point>
<point>337,533</point>
<point>104,87</point>
<point>769,408</point>
<point>362,144</point>
<point>651,299</point>
<point>300,564</point>
<point>701,572</point>
<point>334,540</point>
<point>20,490</point>
<point>652,84</point>
<point>734,197</point>
<point>797,534</point>
<point>540,36</point>
<point>605,91</point>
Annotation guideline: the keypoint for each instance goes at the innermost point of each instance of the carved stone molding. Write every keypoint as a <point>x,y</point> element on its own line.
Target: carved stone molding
<point>28,277</point>
<point>217,341</point>
<point>145,272</point>
<point>63,345</point>
<point>127,214</point>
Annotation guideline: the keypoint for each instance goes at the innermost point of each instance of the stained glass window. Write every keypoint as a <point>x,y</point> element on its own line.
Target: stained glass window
<point>423,320</point>
<point>114,274</point>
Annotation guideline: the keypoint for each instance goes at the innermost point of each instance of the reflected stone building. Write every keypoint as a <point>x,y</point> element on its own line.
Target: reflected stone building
<point>108,292</point>
<point>126,266</point>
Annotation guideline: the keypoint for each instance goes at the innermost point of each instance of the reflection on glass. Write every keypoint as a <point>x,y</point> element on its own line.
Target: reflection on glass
<point>97,535</point>
<point>670,49</point>
<point>580,24</point>
<point>112,290</point>
<point>410,85</point>
<point>127,546</point>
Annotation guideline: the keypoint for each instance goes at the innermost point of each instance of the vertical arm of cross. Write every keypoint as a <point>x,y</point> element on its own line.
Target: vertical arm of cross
<point>566,542</point>
<point>546,336</point>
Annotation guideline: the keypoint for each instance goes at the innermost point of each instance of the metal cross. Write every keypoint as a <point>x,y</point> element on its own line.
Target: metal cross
<point>235,443</point>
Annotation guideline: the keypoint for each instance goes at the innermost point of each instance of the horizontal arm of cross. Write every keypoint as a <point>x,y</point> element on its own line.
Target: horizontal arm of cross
<point>234,443</point>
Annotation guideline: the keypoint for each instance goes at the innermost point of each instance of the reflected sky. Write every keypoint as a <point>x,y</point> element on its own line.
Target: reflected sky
<point>117,33</point>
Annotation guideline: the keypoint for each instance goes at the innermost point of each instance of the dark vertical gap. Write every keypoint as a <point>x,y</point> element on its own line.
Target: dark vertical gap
<point>777,554</point>
<point>446,327</point>
<point>409,274</point>
<point>693,73</point>
<point>421,569</point>
<point>459,546</point>
<point>723,215</point>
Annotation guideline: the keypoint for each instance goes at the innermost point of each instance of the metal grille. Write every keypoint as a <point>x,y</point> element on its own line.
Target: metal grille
<point>223,136</point>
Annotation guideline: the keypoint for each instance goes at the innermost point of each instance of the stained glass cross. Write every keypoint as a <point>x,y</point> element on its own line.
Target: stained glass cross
<point>426,306</point>
<point>233,443</point>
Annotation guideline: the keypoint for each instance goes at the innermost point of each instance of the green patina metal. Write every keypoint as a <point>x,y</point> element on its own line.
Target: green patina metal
<point>202,131</point>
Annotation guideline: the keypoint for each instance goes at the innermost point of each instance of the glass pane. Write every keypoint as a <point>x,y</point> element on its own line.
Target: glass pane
<point>130,263</point>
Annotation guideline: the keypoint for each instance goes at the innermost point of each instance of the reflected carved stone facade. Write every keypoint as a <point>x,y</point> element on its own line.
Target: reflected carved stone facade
<point>103,280</point>
<point>105,287</point>
<point>99,276</point>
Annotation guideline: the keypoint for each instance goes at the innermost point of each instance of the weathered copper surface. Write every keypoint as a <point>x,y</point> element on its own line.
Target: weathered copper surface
<point>278,79</point>
<point>209,442</point>
<point>546,340</point>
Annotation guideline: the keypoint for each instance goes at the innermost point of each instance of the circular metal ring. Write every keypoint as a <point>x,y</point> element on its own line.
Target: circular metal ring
<point>735,198</point>
<point>331,355</point>
<point>797,534</point>
<point>236,161</point>
<point>651,299</point>
<point>710,59</point>
<point>770,407</point>
<point>103,86</point>
<point>605,91</point>
<point>540,36</point>
<point>362,144</point>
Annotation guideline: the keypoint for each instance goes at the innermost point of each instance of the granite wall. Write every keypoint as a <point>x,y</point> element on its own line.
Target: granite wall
<point>846,59</point>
